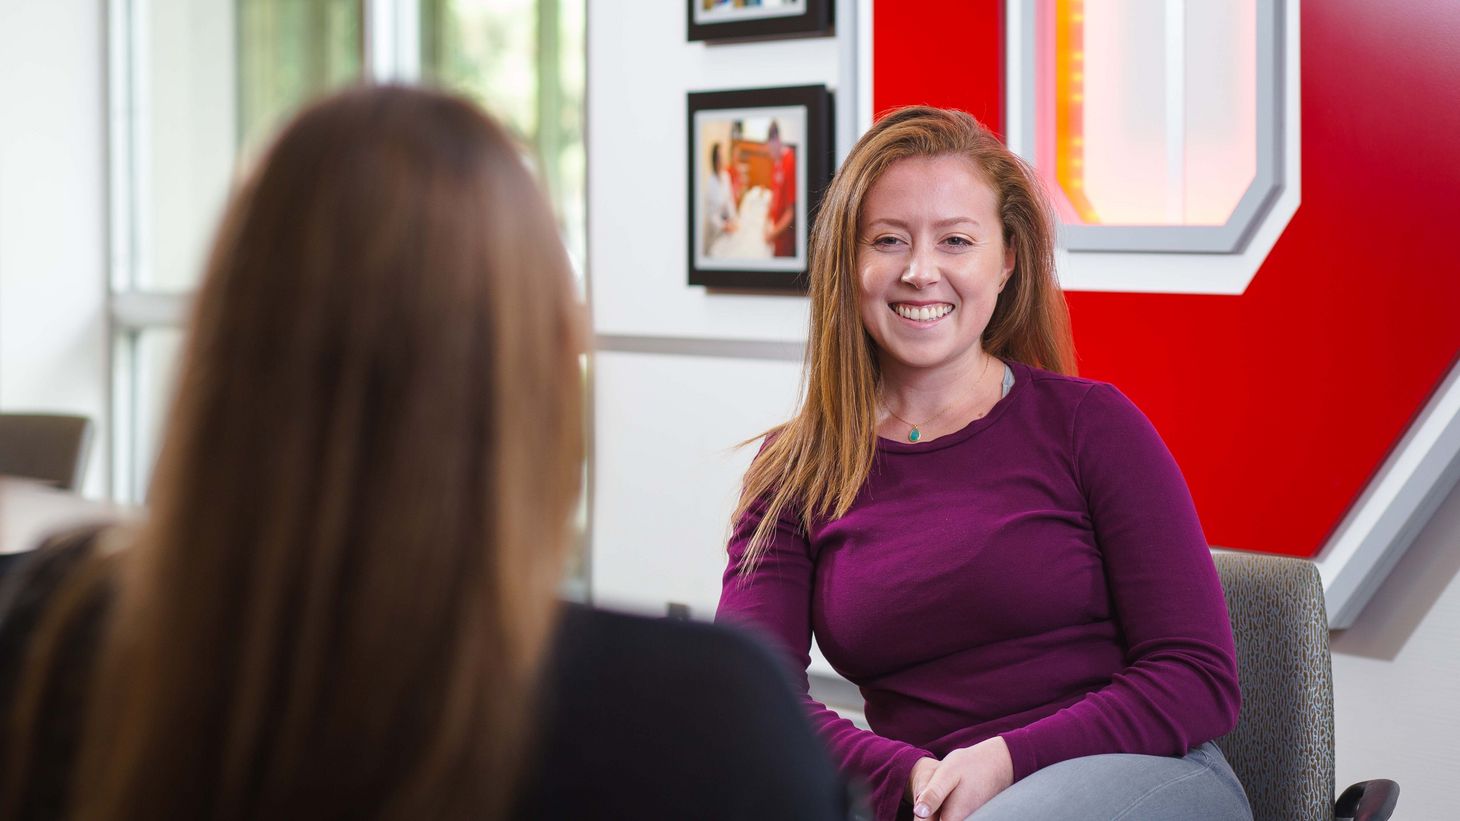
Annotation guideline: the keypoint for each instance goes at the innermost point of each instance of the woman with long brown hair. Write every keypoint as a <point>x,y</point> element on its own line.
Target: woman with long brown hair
<point>342,602</point>
<point>1003,556</point>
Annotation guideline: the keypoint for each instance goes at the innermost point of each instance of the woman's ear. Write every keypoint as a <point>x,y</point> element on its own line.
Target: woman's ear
<point>1008,267</point>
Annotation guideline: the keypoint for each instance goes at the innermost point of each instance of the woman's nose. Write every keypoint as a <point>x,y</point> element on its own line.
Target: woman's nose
<point>921,271</point>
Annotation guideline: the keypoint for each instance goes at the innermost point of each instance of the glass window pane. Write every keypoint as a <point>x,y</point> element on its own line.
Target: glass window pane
<point>211,80</point>
<point>524,61</point>
<point>289,53</point>
<point>184,135</point>
<point>1147,109</point>
<point>144,377</point>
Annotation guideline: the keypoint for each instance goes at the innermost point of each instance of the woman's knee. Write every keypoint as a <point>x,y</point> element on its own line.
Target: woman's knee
<point>1124,787</point>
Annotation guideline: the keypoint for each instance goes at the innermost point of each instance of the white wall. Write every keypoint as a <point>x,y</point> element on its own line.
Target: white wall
<point>665,478</point>
<point>639,70</point>
<point>665,475</point>
<point>1397,676</point>
<point>53,340</point>
<point>664,483</point>
<point>667,470</point>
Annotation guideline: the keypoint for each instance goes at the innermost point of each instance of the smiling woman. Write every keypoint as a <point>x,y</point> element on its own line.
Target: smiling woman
<point>1010,568</point>
<point>932,265</point>
<point>819,460</point>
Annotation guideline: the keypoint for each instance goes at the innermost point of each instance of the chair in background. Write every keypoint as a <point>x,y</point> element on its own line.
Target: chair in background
<point>1282,747</point>
<point>51,448</point>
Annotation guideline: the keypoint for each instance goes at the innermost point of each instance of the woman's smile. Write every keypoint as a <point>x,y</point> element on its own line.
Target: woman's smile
<point>922,314</point>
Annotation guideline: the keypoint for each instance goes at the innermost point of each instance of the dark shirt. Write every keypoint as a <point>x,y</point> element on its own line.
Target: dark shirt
<point>29,584</point>
<point>638,717</point>
<point>661,719</point>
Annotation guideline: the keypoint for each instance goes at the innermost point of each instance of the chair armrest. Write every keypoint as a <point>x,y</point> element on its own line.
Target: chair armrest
<point>1367,801</point>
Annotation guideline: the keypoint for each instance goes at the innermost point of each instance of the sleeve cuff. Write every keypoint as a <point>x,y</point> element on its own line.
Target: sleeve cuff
<point>1021,753</point>
<point>899,770</point>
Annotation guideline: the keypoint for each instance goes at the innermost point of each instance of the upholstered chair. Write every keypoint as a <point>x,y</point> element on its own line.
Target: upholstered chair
<point>1282,747</point>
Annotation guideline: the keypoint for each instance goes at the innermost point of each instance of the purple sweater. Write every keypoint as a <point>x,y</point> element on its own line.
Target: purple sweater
<point>1039,575</point>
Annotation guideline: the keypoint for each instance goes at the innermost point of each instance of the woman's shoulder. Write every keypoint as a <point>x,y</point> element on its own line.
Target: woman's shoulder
<point>1054,381</point>
<point>52,605</point>
<point>1073,393</point>
<point>662,655</point>
<point>696,720</point>
<point>32,580</point>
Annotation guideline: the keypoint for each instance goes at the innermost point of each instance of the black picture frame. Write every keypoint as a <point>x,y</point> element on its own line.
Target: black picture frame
<point>815,19</point>
<point>731,257</point>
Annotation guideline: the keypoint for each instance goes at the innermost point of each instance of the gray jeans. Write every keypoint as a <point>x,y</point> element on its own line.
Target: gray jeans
<point>1200,786</point>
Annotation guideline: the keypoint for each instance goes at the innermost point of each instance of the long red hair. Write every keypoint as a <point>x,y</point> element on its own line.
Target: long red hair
<point>818,460</point>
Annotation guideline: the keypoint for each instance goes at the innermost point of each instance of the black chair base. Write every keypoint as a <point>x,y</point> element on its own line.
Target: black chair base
<point>1367,801</point>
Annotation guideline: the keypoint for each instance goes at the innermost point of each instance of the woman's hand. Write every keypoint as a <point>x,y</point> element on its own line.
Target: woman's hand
<point>922,773</point>
<point>964,781</point>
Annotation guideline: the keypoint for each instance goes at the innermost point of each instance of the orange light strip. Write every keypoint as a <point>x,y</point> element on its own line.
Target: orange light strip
<point>1069,106</point>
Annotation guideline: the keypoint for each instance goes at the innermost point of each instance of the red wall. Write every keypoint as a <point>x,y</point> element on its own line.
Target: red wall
<point>1281,403</point>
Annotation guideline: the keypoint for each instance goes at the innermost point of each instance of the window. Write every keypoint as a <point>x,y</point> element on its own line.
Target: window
<point>289,52</point>
<point>198,87</point>
<point>1154,123</point>
<point>525,61</point>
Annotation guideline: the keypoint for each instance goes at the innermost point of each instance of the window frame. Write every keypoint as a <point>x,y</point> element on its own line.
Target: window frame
<point>1255,204</point>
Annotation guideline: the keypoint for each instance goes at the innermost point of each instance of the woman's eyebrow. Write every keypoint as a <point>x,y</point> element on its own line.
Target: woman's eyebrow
<point>942,223</point>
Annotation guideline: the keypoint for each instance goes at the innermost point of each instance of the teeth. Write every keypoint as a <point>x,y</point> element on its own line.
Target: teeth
<point>924,313</point>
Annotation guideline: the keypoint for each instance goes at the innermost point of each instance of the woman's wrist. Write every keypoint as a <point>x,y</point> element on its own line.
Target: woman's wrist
<point>922,771</point>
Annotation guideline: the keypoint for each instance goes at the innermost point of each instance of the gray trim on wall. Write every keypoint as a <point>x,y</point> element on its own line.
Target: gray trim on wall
<point>1398,502</point>
<point>698,346</point>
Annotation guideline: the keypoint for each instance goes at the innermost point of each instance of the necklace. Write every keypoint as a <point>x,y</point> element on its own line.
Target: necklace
<point>915,433</point>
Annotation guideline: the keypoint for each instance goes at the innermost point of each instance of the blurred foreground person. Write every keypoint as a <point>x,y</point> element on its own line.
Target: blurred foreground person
<point>343,602</point>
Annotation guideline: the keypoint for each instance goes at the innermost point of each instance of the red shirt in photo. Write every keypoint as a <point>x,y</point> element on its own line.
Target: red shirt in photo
<point>783,199</point>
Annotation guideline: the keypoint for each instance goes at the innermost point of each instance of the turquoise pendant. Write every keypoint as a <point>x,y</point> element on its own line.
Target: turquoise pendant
<point>914,435</point>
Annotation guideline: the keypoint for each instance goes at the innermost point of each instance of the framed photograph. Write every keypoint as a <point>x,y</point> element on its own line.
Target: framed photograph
<point>758,19</point>
<point>759,160</point>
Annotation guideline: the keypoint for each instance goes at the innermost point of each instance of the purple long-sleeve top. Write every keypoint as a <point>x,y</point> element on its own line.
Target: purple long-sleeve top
<point>1039,575</point>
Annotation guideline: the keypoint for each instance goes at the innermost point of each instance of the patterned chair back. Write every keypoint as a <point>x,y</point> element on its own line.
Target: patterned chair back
<point>1282,747</point>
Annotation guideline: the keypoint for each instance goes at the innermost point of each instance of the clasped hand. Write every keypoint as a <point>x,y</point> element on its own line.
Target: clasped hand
<point>966,779</point>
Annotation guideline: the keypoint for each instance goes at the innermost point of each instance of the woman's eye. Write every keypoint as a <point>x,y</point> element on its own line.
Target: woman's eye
<point>886,242</point>
<point>962,241</point>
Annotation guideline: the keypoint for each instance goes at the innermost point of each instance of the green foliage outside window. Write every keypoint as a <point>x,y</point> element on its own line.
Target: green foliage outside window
<point>524,61</point>
<point>289,52</point>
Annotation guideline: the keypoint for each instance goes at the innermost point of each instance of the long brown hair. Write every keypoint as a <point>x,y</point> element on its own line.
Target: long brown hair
<point>818,461</point>
<point>342,597</point>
